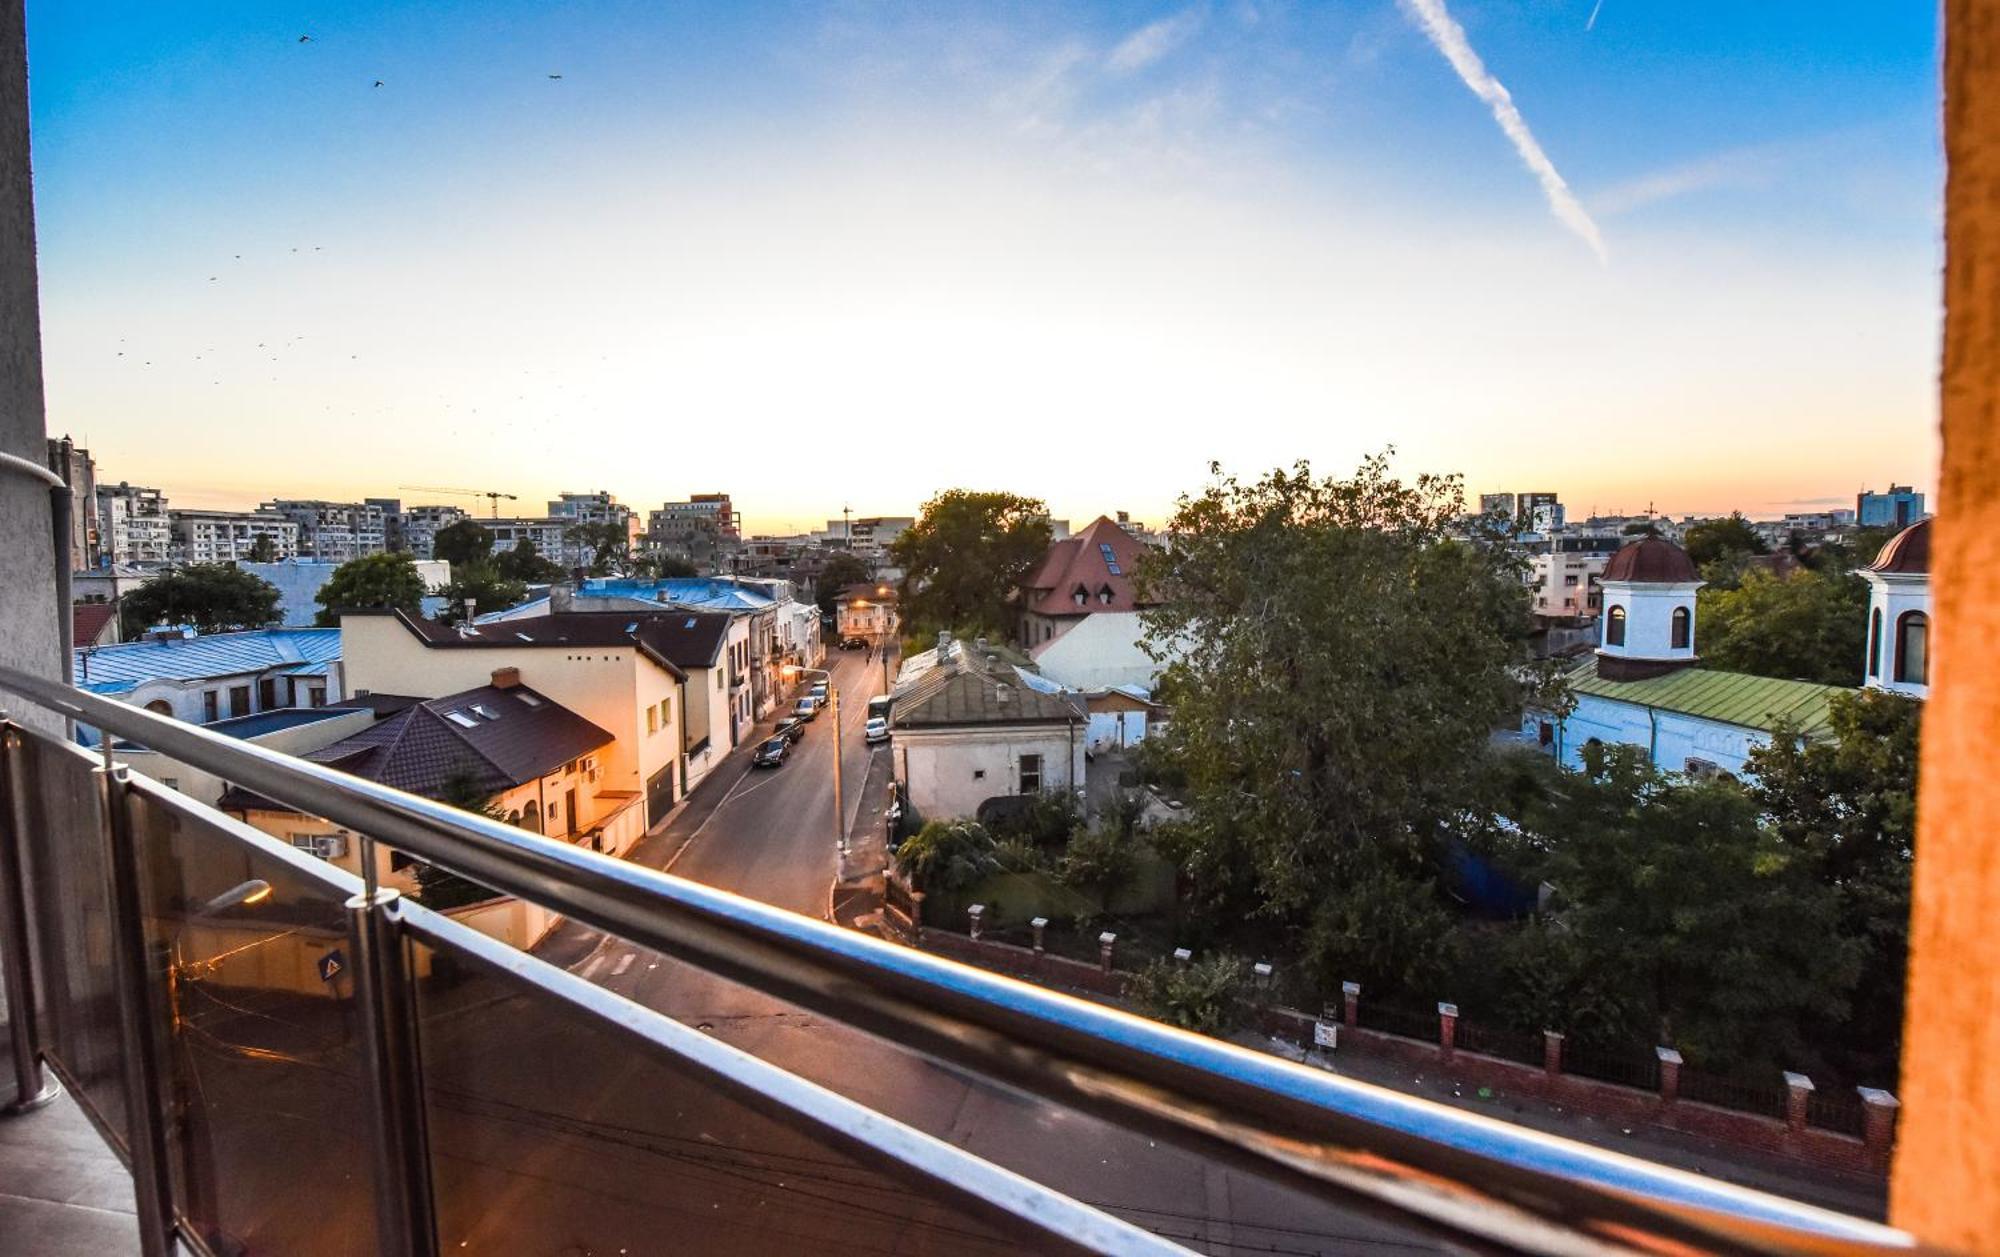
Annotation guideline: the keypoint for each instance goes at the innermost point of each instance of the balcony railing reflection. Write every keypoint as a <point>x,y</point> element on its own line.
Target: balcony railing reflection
<point>291,1061</point>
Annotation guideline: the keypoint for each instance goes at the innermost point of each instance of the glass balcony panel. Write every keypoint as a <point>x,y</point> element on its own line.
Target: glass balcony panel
<point>64,847</point>
<point>573,1124</point>
<point>264,1078</point>
<point>552,1130</point>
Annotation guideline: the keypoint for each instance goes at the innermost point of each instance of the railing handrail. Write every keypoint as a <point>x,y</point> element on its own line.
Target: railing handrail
<point>1413,1160</point>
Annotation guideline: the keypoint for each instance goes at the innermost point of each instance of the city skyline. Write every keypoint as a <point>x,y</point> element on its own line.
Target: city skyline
<point>818,258</point>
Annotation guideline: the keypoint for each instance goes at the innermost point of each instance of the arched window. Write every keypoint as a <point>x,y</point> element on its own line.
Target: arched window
<point>1683,628</point>
<point>1913,648</point>
<point>161,707</point>
<point>531,816</point>
<point>1875,643</point>
<point>1614,627</point>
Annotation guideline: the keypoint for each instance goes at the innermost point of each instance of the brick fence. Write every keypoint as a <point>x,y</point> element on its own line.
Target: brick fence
<point>1791,1137</point>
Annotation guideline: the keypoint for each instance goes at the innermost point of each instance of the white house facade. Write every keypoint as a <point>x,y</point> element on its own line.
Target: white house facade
<point>1899,614</point>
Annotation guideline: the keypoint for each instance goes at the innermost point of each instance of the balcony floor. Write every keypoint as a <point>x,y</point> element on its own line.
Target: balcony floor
<point>61,1190</point>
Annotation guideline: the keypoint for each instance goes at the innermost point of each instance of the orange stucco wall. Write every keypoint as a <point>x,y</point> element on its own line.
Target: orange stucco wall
<point>1947,1175</point>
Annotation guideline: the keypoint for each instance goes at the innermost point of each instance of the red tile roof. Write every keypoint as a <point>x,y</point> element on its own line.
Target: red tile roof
<point>1908,552</point>
<point>1651,561</point>
<point>1101,559</point>
<point>87,620</point>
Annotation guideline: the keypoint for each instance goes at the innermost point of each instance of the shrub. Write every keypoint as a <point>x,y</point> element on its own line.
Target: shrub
<point>947,855</point>
<point>1200,995</point>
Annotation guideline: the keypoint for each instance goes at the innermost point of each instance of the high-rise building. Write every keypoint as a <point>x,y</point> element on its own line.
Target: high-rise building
<point>418,527</point>
<point>230,536</point>
<point>335,531</point>
<point>1900,507</point>
<point>79,471</point>
<point>1499,505</point>
<point>133,525</point>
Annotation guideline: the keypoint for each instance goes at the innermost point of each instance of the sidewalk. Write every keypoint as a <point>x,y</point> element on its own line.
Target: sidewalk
<point>857,890</point>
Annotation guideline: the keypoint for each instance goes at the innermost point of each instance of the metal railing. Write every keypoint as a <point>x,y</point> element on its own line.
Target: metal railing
<point>445,1077</point>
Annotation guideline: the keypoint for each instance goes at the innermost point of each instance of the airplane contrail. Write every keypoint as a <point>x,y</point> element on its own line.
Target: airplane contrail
<point>1595,9</point>
<point>1449,38</point>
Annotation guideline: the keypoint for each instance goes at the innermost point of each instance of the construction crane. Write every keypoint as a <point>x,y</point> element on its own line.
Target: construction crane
<point>492,496</point>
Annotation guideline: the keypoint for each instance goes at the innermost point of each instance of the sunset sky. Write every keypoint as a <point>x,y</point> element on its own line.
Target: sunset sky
<point>815,254</point>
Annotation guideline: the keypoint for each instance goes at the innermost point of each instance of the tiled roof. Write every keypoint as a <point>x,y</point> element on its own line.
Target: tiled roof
<point>500,737</point>
<point>118,668</point>
<point>677,640</point>
<point>1735,698</point>
<point>1652,561</point>
<point>1908,552</point>
<point>87,620</point>
<point>1101,559</point>
<point>963,689</point>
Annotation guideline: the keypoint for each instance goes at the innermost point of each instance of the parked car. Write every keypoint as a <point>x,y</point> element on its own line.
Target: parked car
<point>805,709</point>
<point>791,727</point>
<point>877,729</point>
<point>854,643</point>
<point>819,693</point>
<point>772,753</point>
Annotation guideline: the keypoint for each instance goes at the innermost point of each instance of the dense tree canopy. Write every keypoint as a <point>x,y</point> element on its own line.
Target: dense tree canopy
<point>839,572</point>
<point>214,597</point>
<point>466,541</point>
<point>610,545</point>
<point>1807,626</point>
<point>373,580</point>
<point>963,557</point>
<point>482,585</point>
<point>662,566</point>
<point>262,549</point>
<point>1718,539</point>
<point>524,563</point>
<point>1336,661</point>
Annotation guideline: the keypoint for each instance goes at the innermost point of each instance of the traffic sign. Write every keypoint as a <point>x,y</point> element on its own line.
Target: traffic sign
<point>332,965</point>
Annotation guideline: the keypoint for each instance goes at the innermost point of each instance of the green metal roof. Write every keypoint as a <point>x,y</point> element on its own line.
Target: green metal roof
<point>1735,698</point>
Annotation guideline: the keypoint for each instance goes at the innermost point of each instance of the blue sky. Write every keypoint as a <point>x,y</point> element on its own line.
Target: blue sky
<point>857,252</point>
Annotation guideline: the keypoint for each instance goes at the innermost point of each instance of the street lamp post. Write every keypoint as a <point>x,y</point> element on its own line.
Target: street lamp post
<point>833,704</point>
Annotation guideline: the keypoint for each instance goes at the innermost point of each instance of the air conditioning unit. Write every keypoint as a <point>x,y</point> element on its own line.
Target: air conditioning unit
<point>326,846</point>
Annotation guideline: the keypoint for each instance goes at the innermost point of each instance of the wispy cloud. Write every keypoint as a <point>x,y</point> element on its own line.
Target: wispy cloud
<point>1449,38</point>
<point>1750,166</point>
<point>1153,41</point>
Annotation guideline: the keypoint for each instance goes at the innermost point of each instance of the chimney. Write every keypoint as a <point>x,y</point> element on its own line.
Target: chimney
<point>560,595</point>
<point>471,610</point>
<point>506,678</point>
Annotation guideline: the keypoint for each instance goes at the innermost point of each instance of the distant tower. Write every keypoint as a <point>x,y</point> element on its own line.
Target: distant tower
<point>1899,614</point>
<point>1647,629</point>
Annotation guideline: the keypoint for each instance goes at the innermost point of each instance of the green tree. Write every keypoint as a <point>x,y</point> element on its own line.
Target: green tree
<point>371,581</point>
<point>1849,800</point>
<point>482,584</point>
<point>1203,995</point>
<point>1336,662</point>
<point>964,556</point>
<point>466,541</point>
<point>610,545</point>
<point>947,855</point>
<point>839,572</point>
<point>438,888</point>
<point>1722,539</point>
<point>661,566</point>
<point>524,563</point>
<point>1808,626</point>
<point>263,549</point>
<point>1100,861</point>
<point>1686,921</point>
<point>214,597</point>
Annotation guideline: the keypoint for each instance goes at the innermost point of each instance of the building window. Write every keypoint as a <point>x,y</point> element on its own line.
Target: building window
<point>1614,627</point>
<point>979,774</point>
<point>652,720</point>
<point>1569,581</point>
<point>1683,628</point>
<point>1875,643</point>
<point>1031,774</point>
<point>160,707</point>
<point>239,700</point>
<point>267,693</point>
<point>208,706</point>
<point>1913,648</point>
<point>666,712</point>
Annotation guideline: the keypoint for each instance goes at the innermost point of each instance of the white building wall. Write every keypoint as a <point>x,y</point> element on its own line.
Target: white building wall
<point>1672,738</point>
<point>1649,615</point>
<point>1892,595</point>
<point>300,580</point>
<point>949,773</point>
<point>1099,652</point>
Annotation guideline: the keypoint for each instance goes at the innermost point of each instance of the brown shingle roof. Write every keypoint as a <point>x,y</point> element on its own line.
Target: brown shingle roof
<point>1099,560</point>
<point>1651,560</point>
<point>964,690</point>
<point>87,620</point>
<point>1908,552</point>
<point>677,639</point>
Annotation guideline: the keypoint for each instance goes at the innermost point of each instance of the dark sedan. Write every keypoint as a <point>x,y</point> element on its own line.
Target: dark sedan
<point>772,753</point>
<point>791,727</point>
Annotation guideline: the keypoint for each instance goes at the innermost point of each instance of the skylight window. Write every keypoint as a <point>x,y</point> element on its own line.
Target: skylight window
<point>462,720</point>
<point>528,698</point>
<point>1110,559</point>
<point>485,712</point>
<point>524,637</point>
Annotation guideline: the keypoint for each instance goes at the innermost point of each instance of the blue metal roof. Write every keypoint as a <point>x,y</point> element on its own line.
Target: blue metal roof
<point>705,593</point>
<point>118,668</point>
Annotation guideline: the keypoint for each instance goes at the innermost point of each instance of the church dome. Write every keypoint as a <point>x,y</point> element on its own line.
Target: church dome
<point>1651,561</point>
<point>1908,552</point>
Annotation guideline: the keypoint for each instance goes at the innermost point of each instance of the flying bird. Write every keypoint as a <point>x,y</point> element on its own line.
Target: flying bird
<point>378,82</point>
<point>305,39</point>
<point>555,76</point>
